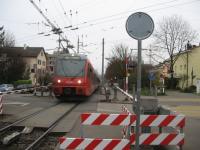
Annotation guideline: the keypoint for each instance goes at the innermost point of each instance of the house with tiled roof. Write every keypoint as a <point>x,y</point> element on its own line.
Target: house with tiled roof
<point>34,57</point>
<point>186,67</point>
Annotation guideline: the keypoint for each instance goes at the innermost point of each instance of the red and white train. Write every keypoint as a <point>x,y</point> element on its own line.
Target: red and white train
<point>74,75</point>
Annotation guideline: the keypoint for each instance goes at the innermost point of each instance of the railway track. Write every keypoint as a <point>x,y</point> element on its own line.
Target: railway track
<point>33,139</point>
<point>3,129</point>
<point>32,145</point>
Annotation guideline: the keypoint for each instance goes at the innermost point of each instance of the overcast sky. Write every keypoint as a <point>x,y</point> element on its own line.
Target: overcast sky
<point>95,19</point>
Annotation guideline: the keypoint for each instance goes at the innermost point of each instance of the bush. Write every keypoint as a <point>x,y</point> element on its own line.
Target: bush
<point>18,82</point>
<point>168,82</point>
<point>190,89</point>
<point>145,92</point>
<point>44,79</point>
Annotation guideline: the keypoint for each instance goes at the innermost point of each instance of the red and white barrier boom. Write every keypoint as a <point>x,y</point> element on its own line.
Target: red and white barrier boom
<point>99,119</point>
<point>94,144</point>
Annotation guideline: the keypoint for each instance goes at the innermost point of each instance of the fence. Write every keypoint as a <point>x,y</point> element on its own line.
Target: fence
<point>159,121</point>
<point>99,119</point>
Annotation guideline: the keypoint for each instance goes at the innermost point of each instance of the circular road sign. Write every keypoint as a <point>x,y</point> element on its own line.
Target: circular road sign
<point>139,25</point>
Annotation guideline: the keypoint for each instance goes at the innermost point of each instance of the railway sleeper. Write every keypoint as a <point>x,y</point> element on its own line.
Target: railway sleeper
<point>15,135</point>
<point>11,138</point>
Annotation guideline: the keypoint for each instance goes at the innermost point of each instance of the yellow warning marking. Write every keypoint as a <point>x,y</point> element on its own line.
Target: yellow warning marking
<point>189,111</point>
<point>179,100</point>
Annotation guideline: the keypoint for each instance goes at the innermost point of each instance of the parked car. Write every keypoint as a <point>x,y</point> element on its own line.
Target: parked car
<point>24,86</point>
<point>29,87</point>
<point>6,87</point>
<point>2,90</point>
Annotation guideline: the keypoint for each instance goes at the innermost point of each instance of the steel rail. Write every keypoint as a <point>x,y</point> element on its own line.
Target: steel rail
<point>24,118</point>
<point>31,146</point>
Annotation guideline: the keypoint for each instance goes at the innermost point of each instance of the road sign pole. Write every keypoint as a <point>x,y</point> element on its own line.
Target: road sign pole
<point>150,88</point>
<point>126,79</point>
<point>138,94</point>
<point>139,26</point>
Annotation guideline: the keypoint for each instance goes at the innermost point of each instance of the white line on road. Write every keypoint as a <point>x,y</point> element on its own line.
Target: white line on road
<point>16,103</point>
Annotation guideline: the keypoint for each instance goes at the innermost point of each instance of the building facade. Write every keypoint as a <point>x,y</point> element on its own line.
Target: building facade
<point>51,58</point>
<point>34,58</point>
<point>187,67</point>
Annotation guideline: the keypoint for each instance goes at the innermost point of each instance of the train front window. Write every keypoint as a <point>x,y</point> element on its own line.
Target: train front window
<point>70,68</point>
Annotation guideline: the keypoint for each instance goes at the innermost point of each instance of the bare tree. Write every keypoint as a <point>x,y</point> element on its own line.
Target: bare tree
<point>172,34</point>
<point>116,65</point>
<point>2,36</point>
<point>7,39</point>
<point>119,51</point>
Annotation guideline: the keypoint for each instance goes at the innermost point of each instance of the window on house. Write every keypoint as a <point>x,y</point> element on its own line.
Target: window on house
<point>39,71</point>
<point>181,67</point>
<point>32,70</point>
<point>185,67</point>
<point>51,68</point>
<point>39,62</point>
<point>42,54</point>
<point>43,63</point>
<point>34,66</point>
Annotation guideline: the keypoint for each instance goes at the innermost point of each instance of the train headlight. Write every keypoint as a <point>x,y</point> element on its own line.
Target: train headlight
<point>79,81</point>
<point>59,81</point>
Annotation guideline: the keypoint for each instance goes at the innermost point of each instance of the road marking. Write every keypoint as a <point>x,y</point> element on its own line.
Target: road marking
<point>16,103</point>
<point>179,99</point>
<point>189,111</point>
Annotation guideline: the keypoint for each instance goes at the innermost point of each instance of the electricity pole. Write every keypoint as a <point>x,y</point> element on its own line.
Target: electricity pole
<point>187,69</point>
<point>150,55</point>
<point>78,45</point>
<point>102,73</point>
<point>59,42</point>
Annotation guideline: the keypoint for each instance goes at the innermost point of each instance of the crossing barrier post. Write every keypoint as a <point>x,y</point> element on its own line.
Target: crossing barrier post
<point>1,104</point>
<point>115,93</point>
<point>81,129</point>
